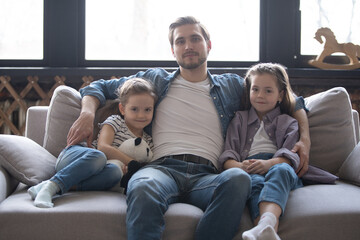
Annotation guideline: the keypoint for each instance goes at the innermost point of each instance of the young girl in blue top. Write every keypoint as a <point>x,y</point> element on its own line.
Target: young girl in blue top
<point>259,141</point>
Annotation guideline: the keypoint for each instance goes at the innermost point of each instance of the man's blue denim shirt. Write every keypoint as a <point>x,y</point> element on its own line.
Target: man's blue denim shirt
<point>226,91</point>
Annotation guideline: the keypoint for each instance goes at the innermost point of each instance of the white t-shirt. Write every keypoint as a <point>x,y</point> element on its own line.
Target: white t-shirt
<point>186,122</point>
<point>262,142</point>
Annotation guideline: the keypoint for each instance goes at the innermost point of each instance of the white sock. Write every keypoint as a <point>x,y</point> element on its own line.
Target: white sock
<point>44,196</point>
<point>268,233</point>
<point>34,190</point>
<point>267,220</point>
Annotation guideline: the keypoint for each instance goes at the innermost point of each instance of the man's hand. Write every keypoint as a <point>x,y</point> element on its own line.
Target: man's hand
<point>81,129</point>
<point>303,149</point>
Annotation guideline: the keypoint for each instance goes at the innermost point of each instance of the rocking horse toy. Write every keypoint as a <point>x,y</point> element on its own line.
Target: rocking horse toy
<point>331,46</point>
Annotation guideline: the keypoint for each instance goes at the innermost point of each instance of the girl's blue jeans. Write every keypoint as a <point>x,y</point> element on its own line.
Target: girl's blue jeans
<point>86,169</point>
<point>153,188</point>
<point>274,186</point>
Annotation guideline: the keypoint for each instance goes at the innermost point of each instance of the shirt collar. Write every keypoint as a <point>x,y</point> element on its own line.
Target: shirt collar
<point>213,81</point>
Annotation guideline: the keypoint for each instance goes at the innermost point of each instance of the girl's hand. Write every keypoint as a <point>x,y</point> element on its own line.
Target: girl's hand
<point>231,163</point>
<point>245,165</point>
<point>258,166</point>
<point>124,169</point>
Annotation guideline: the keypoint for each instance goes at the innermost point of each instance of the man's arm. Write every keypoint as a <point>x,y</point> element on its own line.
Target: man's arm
<point>83,127</point>
<point>302,147</point>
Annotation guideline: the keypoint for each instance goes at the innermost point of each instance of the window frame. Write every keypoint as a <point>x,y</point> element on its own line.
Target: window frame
<point>64,39</point>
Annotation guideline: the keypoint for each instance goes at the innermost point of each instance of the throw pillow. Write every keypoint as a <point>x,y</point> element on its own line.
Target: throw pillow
<point>350,170</point>
<point>331,128</point>
<point>64,109</point>
<point>25,160</point>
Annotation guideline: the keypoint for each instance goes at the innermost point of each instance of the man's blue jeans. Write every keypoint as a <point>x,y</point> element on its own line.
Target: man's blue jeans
<point>275,186</point>
<point>153,188</point>
<point>86,169</point>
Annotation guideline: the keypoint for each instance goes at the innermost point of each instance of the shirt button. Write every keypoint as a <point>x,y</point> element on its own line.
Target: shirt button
<point>250,139</point>
<point>221,115</point>
<point>214,97</point>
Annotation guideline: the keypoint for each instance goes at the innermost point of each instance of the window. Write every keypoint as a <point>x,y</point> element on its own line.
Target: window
<point>138,30</point>
<point>21,29</point>
<point>113,33</point>
<point>342,17</point>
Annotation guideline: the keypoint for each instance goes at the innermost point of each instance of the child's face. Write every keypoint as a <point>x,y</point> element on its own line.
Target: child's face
<point>264,93</point>
<point>138,112</point>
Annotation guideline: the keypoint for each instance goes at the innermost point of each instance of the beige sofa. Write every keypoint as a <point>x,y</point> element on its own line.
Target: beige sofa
<point>313,212</point>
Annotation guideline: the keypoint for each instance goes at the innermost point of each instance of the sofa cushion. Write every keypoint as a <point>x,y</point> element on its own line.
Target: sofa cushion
<point>85,215</point>
<point>322,212</point>
<point>64,109</point>
<point>350,170</point>
<point>331,128</point>
<point>26,160</point>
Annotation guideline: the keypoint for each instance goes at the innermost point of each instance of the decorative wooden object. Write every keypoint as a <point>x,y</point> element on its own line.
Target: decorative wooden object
<point>87,80</point>
<point>19,99</point>
<point>331,46</point>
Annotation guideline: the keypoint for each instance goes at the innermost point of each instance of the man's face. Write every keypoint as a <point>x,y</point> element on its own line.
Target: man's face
<point>190,48</point>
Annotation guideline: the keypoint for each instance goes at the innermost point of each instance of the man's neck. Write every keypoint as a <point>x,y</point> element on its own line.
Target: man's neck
<point>194,75</point>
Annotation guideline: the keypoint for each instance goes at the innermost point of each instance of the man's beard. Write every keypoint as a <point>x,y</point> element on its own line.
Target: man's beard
<point>192,65</point>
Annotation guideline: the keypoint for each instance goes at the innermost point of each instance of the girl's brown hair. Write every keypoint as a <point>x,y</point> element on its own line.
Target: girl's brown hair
<point>135,86</point>
<point>287,105</point>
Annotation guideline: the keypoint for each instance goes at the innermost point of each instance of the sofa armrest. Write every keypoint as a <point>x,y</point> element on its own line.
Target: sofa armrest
<point>35,123</point>
<point>356,125</point>
<point>7,184</point>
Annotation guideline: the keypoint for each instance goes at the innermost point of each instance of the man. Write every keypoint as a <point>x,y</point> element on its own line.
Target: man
<point>190,122</point>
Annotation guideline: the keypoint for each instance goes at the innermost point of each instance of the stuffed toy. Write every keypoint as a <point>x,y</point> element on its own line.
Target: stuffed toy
<point>137,149</point>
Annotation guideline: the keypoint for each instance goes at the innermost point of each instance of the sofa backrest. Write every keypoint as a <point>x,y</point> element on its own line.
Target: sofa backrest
<point>334,126</point>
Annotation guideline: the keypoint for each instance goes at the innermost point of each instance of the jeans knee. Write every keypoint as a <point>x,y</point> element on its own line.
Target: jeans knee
<point>237,180</point>
<point>143,194</point>
<point>96,159</point>
<point>283,170</point>
<point>141,188</point>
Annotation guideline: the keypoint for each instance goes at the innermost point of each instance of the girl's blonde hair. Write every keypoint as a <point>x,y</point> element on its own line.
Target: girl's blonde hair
<point>135,86</point>
<point>287,105</point>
